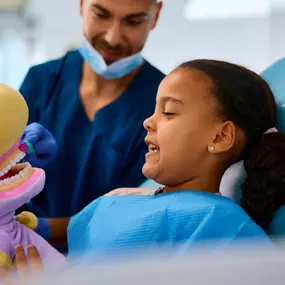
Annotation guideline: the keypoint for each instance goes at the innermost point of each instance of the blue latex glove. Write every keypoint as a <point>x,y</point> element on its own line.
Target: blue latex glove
<point>43,142</point>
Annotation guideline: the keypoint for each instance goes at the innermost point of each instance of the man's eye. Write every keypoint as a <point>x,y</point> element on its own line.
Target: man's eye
<point>134,23</point>
<point>102,16</point>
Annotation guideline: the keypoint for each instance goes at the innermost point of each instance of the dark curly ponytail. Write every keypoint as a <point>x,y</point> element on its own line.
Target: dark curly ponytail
<point>245,98</point>
<point>263,191</point>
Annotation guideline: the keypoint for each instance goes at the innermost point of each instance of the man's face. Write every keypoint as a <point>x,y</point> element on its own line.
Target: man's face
<point>117,29</point>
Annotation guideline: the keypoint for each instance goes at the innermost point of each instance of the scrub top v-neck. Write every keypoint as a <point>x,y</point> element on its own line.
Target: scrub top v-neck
<point>93,157</point>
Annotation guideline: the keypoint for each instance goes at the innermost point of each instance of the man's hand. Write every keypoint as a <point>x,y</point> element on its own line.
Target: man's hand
<point>43,142</point>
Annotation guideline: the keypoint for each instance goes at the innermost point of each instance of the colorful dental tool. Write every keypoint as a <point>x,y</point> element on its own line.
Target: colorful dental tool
<point>27,147</point>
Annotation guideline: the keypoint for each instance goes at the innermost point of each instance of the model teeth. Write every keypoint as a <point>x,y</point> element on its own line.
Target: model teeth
<point>18,157</point>
<point>22,174</point>
<point>21,170</point>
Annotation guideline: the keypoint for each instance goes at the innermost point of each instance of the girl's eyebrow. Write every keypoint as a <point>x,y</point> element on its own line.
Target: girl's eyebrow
<point>165,99</point>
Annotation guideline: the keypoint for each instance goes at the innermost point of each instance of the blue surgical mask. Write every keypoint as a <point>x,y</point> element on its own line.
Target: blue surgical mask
<point>117,69</point>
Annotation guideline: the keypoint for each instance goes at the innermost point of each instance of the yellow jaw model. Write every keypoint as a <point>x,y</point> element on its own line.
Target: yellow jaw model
<point>14,117</point>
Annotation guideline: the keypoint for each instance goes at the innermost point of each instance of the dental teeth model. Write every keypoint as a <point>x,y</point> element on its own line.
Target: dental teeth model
<point>19,183</point>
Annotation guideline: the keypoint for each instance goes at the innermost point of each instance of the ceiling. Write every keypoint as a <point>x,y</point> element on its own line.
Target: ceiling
<point>197,10</point>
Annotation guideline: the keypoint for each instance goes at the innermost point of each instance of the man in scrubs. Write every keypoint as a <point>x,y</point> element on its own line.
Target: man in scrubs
<point>94,101</point>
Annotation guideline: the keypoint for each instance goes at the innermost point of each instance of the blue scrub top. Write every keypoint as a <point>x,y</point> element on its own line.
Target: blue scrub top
<point>179,221</point>
<point>93,157</point>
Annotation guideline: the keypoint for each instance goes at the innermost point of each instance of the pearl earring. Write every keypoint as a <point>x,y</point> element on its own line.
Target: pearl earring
<point>211,148</point>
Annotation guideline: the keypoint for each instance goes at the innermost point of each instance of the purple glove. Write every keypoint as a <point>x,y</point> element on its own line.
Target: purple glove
<point>43,142</point>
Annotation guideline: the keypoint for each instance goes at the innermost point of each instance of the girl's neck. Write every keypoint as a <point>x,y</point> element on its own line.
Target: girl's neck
<point>210,185</point>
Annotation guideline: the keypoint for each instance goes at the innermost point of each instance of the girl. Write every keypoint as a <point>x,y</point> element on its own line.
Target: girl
<point>209,114</point>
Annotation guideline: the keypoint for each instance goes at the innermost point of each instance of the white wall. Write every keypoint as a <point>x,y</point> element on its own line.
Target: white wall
<point>253,42</point>
<point>277,35</point>
<point>244,41</point>
<point>60,24</point>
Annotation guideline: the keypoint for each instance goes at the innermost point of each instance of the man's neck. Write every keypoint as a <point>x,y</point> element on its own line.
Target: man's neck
<point>100,83</point>
<point>96,92</point>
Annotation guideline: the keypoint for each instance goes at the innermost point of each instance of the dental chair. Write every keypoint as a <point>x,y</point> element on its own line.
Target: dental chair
<point>233,178</point>
<point>275,77</point>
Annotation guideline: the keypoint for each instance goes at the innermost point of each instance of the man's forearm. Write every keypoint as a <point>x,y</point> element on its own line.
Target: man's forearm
<point>58,231</point>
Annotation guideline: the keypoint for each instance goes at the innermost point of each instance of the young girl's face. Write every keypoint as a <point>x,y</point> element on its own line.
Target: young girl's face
<point>181,130</point>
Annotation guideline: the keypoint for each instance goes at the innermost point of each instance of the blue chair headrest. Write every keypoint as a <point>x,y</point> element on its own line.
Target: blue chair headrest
<point>231,187</point>
<point>275,77</point>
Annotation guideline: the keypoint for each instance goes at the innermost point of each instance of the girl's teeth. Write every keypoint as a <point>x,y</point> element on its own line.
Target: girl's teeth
<point>153,148</point>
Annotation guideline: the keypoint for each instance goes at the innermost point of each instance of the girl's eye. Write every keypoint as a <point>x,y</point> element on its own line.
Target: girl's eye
<point>167,113</point>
